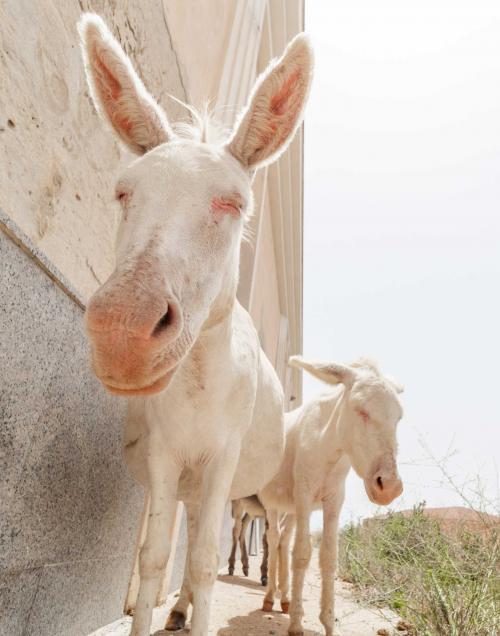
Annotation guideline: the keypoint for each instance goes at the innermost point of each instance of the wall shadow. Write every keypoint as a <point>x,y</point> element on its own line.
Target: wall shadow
<point>240,580</point>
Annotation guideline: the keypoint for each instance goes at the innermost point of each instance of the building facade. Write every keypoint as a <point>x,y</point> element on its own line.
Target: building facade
<point>69,512</point>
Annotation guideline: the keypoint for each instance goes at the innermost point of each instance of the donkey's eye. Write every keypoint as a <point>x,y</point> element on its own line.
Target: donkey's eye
<point>363,414</point>
<point>232,205</point>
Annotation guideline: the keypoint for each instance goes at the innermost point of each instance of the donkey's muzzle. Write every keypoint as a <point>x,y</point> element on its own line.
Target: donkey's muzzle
<point>132,342</point>
<point>382,489</point>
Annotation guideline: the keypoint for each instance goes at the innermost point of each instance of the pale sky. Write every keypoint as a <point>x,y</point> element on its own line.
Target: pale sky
<point>402,228</point>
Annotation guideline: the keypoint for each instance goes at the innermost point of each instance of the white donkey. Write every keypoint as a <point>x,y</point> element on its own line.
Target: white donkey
<point>205,405</point>
<point>353,426</point>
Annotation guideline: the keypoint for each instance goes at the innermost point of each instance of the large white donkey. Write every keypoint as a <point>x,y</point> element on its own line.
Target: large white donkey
<point>205,405</point>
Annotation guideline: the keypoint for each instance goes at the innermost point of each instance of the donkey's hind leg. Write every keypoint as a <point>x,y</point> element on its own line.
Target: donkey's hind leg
<point>243,543</point>
<point>287,527</point>
<point>273,538</point>
<point>265,555</point>
<point>237,513</point>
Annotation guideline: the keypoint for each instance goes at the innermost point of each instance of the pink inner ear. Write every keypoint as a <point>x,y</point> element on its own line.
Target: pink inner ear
<point>279,101</point>
<point>111,91</point>
<point>109,86</point>
<point>283,108</point>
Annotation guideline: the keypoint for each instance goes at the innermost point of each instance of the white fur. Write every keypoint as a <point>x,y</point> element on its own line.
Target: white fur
<point>353,426</point>
<point>206,422</point>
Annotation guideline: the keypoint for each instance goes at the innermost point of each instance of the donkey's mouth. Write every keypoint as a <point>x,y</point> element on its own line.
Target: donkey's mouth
<point>157,386</point>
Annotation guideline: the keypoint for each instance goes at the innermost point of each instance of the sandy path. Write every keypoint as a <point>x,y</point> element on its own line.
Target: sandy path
<point>236,610</point>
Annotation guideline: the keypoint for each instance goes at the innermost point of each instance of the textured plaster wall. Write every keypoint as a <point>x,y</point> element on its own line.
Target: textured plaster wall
<point>58,164</point>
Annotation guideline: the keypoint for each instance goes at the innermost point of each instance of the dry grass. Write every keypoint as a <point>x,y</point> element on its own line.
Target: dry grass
<point>443,583</point>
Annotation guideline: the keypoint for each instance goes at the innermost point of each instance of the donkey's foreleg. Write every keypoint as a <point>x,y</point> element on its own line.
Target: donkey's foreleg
<point>328,562</point>
<point>301,557</point>
<point>204,561</point>
<point>237,513</point>
<point>243,543</point>
<point>265,554</point>
<point>273,539</point>
<point>153,556</point>
<point>288,525</point>
<point>178,614</point>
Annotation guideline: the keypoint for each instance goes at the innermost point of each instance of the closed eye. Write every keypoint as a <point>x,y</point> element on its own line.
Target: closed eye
<point>232,205</point>
<point>364,415</point>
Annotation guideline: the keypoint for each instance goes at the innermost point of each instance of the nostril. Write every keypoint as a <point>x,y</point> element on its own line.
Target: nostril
<point>164,322</point>
<point>380,483</point>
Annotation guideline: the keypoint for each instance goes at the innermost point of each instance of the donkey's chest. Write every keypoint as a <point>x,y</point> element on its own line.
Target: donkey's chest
<point>195,436</point>
<point>198,417</point>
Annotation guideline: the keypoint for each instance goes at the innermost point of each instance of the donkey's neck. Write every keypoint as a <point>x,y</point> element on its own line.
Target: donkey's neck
<point>330,434</point>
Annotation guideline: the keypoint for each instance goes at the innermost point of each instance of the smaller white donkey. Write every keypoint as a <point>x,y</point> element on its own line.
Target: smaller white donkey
<point>353,426</point>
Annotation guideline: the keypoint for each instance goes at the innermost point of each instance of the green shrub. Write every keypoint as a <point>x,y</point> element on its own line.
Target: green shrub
<point>444,584</point>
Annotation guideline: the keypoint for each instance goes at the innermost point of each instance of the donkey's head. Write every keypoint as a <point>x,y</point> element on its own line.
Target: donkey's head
<point>184,204</point>
<point>366,424</point>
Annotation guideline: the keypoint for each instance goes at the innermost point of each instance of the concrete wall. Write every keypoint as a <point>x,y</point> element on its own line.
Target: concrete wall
<point>69,510</point>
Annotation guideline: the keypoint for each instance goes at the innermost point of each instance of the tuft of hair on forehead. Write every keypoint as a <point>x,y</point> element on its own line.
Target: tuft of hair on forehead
<point>202,126</point>
<point>367,364</point>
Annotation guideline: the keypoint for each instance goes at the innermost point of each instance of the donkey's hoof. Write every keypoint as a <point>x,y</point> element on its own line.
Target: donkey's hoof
<point>285,607</point>
<point>245,571</point>
<point>267,606</point>
<point>263,580</point>
<point>296,633</point>
<point>176,621</point>
<point>230,571</point>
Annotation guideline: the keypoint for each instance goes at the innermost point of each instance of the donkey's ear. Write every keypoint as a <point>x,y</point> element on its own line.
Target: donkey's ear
<point>118,93</point>
<point>331,373</point>
<point>275,109</point>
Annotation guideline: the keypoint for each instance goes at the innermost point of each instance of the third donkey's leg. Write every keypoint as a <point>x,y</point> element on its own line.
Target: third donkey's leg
<point>178,614</point>
<point>273,538</point>
<point>301,557</point>
<point>288,524</point>
<point>265,554</point>
<point>237,513</point>
<point>243,543</point>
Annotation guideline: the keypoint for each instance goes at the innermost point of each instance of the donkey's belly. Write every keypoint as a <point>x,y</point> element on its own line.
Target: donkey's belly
<point>263,445</point>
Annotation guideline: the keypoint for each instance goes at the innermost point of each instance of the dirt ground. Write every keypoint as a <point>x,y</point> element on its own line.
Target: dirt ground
<point>237,602</point>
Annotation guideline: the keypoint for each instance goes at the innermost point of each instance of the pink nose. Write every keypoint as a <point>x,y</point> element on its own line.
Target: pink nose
<point>385,489</point>
<point>132,339</point>
<point>158,320</point>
